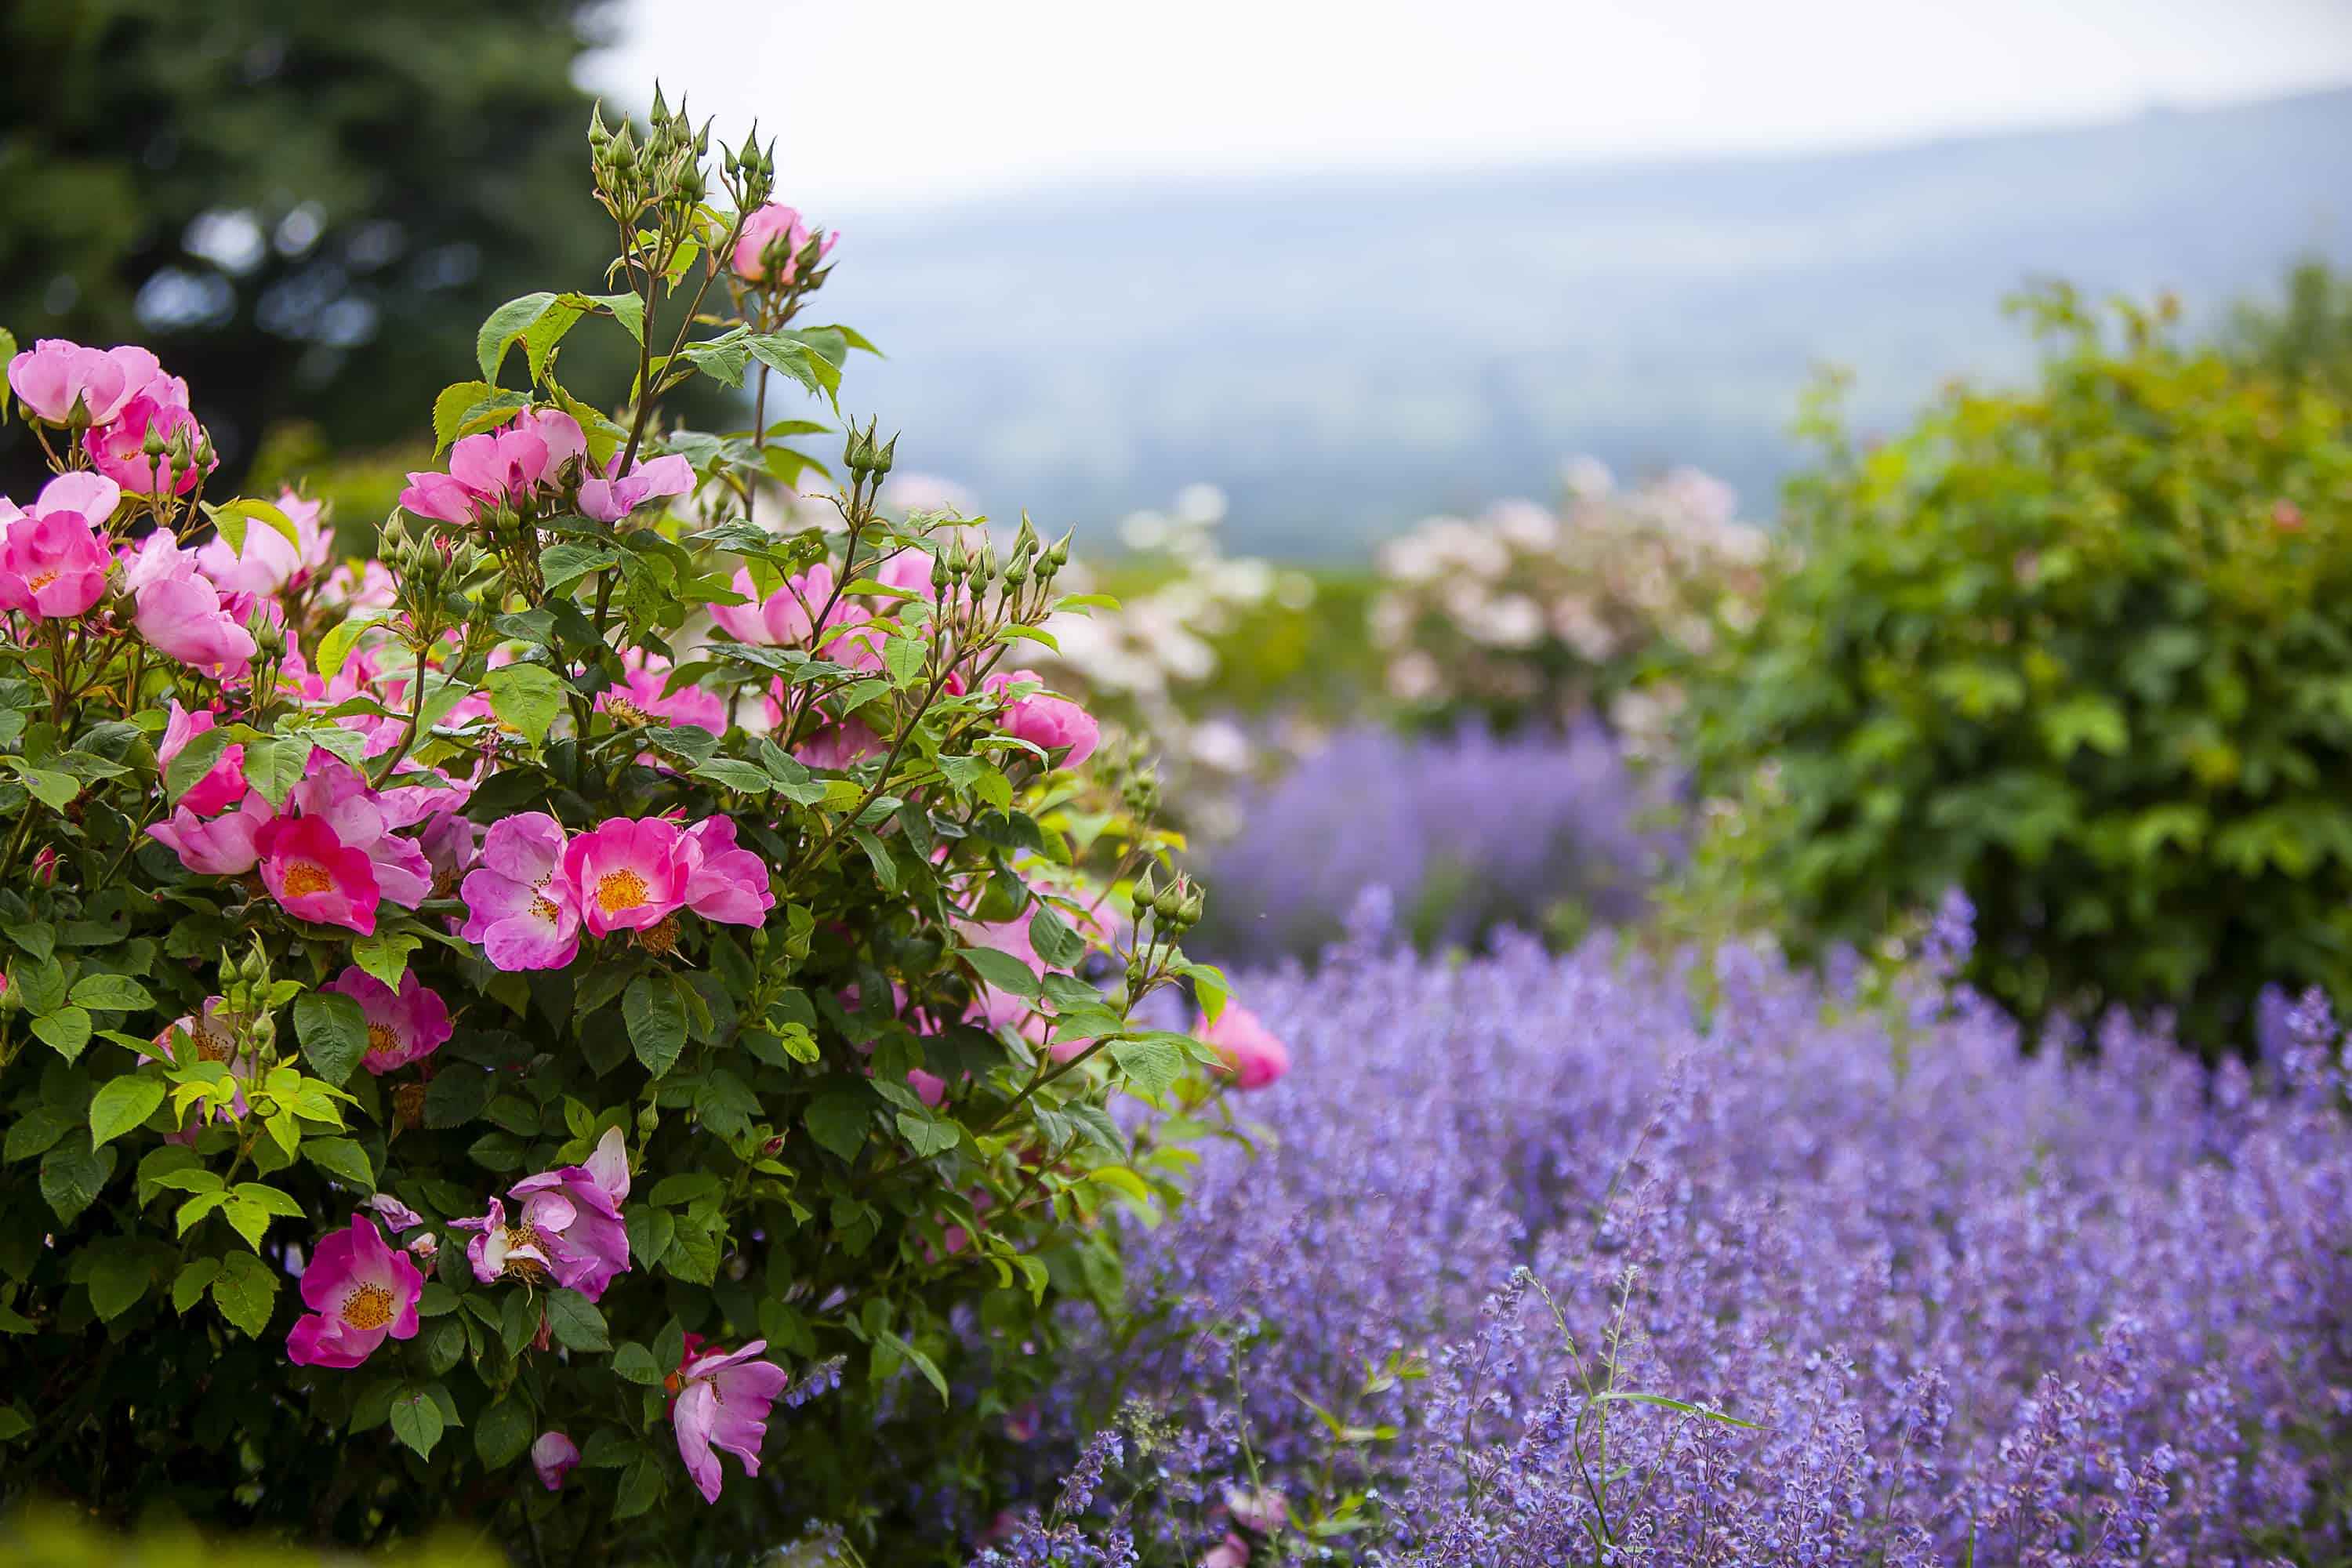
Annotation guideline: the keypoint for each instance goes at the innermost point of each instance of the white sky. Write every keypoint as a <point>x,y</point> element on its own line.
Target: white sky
<point>883,103</point>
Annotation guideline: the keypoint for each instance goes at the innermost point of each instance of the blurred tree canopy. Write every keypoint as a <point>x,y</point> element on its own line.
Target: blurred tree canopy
<point>305,209</point>
<point>2306,337</point>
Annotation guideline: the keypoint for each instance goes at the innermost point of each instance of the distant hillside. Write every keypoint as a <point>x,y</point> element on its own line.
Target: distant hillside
<point>1344,356</point>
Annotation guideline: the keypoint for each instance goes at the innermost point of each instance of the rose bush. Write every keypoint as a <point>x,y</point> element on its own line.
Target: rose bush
<point>598,1023</point>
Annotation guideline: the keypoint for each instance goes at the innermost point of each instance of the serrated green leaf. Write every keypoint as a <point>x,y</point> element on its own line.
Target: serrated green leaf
<point>121,1104</point>
<point>333,1030</point>
<point>527,698</point>
<point>655,1016</point>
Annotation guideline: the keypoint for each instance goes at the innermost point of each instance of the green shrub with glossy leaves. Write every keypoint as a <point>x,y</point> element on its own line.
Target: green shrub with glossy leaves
<point>2083,650</point>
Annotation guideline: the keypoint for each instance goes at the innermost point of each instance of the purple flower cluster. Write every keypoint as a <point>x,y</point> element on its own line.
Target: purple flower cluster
<point>1586,1259</point>
<point>1468,832</point>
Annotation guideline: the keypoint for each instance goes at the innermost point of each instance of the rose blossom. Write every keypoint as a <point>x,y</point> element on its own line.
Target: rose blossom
<point>1045,720</point>
<point>360,1291</point>
<point>55,378</point>
<point>401,1028</point>
<point>52,563</point>
<point>222,784</point>
<point>625,874</point>
<point>553,1456</point>
<point>722,1402</point>
<point>1252,1054</point>
<point>567,1227</point>
<point>776,228</point>
<point>524,914</point>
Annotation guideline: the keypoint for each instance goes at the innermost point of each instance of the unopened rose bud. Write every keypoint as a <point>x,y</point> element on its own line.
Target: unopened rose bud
<point>649,1122</point>
<point>1141,899</point>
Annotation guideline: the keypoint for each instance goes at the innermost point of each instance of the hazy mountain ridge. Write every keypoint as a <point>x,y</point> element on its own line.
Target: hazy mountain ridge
<point>1344,354</point>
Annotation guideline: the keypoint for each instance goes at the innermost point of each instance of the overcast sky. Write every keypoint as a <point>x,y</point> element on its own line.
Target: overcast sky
<point>882,103</point>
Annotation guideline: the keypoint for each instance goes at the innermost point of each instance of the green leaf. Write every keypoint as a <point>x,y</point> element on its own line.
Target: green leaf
<point>839,1120</point>
<point>730,773</point>
<point>119,1276</point>
<point>1003,970</point>
<point>1659,1399</point>
<point>655,1016</point>
<point>640,1488</point>
<point>1151,1066</point>
<point>341,1157</point>
<point>65,1031</point>
<point>71,1175</point>
<point>920,1362</point>
<point>334,648</point>
<point>527,698</point>
<point>504,1431</point>
<point>114,993</point>
<point>927,1135</point>
<point>122,1104</point>
<point>14,1422</point>
<point>230,519</point>
<point>561,565</point>
<point>637,1364</point>
<point>574,1321</point>
<point>245,1292</point>
<point>416,1419</point>
<point>1053,941</point>
<point>386,954</point>
<point>53,789</point>
<point>188,1286</point>
<point>333,1030</point>
<point>468,407</point>
<point>503,327</point>
<point>275,765</point>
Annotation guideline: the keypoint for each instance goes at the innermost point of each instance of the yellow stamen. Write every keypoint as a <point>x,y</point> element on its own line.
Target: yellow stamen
<point>303,878</point>
<point>618,890</point>
<point>382,1037</point>
<point>369,1307</point>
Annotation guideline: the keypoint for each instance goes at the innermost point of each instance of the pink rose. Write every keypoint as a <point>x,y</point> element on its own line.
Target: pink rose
<point>1252,1054</point>
<point>360,1291</point>
<point>402,1027</point>
<point>553,1456</point>
<point>62,383</point>
<point>625,874</point>
<point>567,1228</point>
<point>517,906</point>
<point>119,447</point>
<point>772,242</point>
<point>723,1400</point>
<point>52,563</point>
<point>222,784</point>
<point>608,499</point>
<point>1050,723</point>
<point>724,883</point>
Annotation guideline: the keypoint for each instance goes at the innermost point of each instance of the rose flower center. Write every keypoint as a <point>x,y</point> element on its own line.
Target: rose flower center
<point>618,890</point>
<point>303,878</point>
<point>369,1307</point>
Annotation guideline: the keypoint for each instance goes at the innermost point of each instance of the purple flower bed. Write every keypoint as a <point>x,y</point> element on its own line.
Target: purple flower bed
<point>1979,1308</point>
<point>1467,831</point>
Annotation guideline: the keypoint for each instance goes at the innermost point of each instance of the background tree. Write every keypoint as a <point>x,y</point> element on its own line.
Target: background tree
<point>306,210</point>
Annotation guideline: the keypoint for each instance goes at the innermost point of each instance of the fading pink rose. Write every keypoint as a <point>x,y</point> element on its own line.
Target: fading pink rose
<point>641,696</point>
<point>269,563</point>
<point>119,448</point>
<point>360,1291</point>
<point>506,466</point>
<point>53,562</point>
<point>722,1402</point>
<point>1050,723</point>
<point>840,746</point>
<point>179,612</point>
<point>769,247</point>
<point>784,618</point>
<point>724,883</point>
<point>553,1456</point>
<point>1233,1551</point>
<point>62,383</point>
<point>402,1027</point>
<point>227,846</point>
<point>608,499</point>
<point>222,784</point>
<point>516,905</point>
<point>1252,1054</point>
<point>567,1228</point>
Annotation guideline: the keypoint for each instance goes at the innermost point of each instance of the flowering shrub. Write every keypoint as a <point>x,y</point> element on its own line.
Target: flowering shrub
<point>1527,614</point>
<point>1468,831</point>
<point>585,1024</point>
<point>1539,1264</point>
<point>2080,649</point>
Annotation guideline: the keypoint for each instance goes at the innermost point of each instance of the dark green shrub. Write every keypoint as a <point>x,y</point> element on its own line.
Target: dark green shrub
<point>2084,651</point>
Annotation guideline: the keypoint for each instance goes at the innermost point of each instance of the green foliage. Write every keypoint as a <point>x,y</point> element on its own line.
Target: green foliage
<point>856,1125</point>
<point>2084,651</point>
<point>2307,338</point>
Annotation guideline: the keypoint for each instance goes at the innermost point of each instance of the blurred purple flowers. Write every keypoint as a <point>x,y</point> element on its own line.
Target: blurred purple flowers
<point>1468,832</point>
<point>1977,1307</point>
